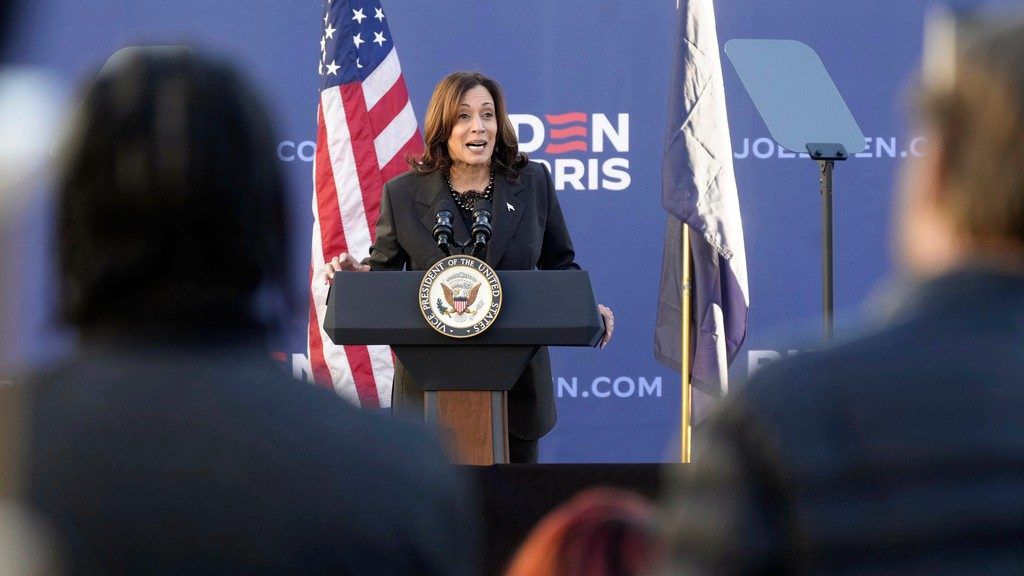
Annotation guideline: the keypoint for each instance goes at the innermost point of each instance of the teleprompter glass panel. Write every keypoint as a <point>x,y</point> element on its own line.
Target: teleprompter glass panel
<point>794,94</point>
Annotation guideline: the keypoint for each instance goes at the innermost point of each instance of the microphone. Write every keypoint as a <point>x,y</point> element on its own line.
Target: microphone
<point>443,229</point>
<point>481,231</point>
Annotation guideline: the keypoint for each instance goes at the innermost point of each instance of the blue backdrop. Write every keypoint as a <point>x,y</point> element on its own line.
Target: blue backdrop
<point>607,62</point>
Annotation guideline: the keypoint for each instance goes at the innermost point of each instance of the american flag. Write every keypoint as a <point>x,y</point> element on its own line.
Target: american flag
<point>365,129</point>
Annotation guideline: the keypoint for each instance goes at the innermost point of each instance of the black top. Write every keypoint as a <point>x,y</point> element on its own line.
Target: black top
<point>466,201</point>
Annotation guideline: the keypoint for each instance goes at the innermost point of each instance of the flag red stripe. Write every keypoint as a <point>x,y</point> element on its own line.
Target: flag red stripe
<point>362,373</point>
<point>367,167</point>
<point>332,233</point>
<point>398,165</point>
<point>368,172</point>
<point>332,239</point>
<point>317,362</point>
<point>385,110</point>
<point>332,236</point>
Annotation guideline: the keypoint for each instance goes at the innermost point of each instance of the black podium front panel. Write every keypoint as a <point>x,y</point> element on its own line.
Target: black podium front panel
<point>554,308</point>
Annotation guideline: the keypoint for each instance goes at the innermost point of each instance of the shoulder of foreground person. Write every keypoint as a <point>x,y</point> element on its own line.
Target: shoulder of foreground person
<point>797,423</point>
<point>732,510</point>
<point>406,483</point>
<point>374,494</point>
<point>726,513</point>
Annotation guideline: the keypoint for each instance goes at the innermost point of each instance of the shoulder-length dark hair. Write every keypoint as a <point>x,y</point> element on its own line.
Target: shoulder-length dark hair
<point>442,113</point>
<point>171,202</point>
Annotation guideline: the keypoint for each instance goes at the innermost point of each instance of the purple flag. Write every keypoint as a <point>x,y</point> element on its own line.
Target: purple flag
<point>699,189</point>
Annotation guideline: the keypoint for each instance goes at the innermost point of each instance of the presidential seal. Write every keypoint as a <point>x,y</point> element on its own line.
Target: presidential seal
<point>460,296</point>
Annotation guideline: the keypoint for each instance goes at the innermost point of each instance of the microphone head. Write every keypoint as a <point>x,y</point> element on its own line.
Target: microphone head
<point>481,225</point>
<point>443,228</point>
<point>482,206</point>
<point>444,205</point>
<point>445,209</point>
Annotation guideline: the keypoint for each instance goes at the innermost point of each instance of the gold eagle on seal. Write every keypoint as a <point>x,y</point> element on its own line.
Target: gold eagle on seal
<point>461,298</point>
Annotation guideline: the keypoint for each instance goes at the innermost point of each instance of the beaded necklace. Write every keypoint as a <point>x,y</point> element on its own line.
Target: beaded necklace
<point>468,199</point>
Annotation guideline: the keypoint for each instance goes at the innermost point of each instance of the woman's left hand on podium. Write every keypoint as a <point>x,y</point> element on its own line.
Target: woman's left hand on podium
<point>609,324</point>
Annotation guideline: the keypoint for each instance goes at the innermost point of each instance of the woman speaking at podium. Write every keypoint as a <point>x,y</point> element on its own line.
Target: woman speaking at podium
<point>471,154</point>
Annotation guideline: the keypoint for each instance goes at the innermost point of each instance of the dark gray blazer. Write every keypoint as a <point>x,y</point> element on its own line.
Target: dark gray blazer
<point>529,232</point>
<point>900,452</point>
<point>197,454</point>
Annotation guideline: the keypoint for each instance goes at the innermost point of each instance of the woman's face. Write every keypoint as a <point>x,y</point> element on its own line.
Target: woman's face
<point>476,127</point>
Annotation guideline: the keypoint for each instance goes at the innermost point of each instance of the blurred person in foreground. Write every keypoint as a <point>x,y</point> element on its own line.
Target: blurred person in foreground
<point>600,532</point>
<point>173,444</point>
<point>902,451</point>
<point>26,546</point>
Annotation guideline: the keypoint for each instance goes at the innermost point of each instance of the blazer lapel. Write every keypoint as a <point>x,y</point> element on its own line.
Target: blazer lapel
<point>507,212</point>
<point>428,196</point>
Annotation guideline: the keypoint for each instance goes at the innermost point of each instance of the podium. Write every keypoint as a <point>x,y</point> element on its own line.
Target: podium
<point>466,380</point>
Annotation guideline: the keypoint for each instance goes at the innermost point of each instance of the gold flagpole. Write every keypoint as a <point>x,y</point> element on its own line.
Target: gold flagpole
<point>10,441</point>
<point>685,294</point>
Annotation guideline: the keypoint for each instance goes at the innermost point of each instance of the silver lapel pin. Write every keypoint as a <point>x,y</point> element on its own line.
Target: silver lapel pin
<point>511,208</point>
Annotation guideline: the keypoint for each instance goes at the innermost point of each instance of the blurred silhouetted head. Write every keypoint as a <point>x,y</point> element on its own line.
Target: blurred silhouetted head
<point>7,21</point>
<point>171,207</point>
<point>965,199</point>
<point>600,532</point>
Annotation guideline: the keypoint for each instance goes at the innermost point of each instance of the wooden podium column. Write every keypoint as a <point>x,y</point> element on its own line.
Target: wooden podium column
<point>473,423</point>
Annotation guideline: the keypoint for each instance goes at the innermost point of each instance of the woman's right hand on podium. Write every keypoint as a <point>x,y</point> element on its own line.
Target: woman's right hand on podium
<point>341,263</point>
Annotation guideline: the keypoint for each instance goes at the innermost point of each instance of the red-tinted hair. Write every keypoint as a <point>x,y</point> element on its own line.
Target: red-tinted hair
<point>600,532</point>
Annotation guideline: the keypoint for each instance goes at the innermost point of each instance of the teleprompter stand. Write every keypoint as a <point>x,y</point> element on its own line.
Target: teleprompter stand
<point>466,381</point>
<point>826,156</point>
<point>805,114</point>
